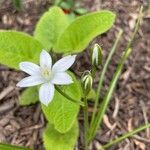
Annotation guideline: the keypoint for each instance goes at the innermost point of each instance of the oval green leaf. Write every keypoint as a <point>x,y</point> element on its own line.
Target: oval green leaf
<point>82,30</point>
<point>54,140</point>
<point>50,26</point>
<point>16,47</point>
<point>62,112</point>
<point>29,96</point>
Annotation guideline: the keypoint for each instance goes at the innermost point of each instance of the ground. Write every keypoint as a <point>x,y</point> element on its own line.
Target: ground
<point>130,104</point>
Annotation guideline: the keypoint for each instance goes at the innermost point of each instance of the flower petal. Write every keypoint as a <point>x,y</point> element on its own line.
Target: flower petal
<point>64,63</point>
<point>45,59</point>
<point>30,81</point>
<point>61,78</point>
<point>30,68</point>
<point>46,93</point>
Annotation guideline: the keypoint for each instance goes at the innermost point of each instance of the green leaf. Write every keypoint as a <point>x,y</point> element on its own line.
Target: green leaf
<point>54,140</point>
<point>82,30</point>
<point>71,17</point>
<point>4,146</point>
<point>65,5</point>
<point>62,112</point>
<point>29,96</point>
<point>16,47</point>
<point>81,11</point>
<point>50,26</point>
<point>17,4</point>
<point>92,94</point>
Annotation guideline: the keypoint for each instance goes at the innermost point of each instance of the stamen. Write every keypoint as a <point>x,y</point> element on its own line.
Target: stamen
<point>46,73</point>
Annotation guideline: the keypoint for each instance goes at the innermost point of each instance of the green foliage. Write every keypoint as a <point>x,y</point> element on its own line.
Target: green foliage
<point>109,93</point>
<point>29,96</point>
<point>61,112</point>
<point>54,140</point>
<point>103,74</point>
<point>82,30</point>
<point>4,146</point>
<point>65,5</point>
<point>50,26</point>
<point>81,11</point>
<point>92,94</point>
<point>17,4</point>
<point>124,136</point>
<point>16,47</point>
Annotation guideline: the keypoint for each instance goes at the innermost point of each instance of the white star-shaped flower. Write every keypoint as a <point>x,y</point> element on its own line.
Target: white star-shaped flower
<point>47,75</point>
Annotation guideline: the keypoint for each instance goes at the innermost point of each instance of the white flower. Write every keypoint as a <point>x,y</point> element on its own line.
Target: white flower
<point>47,75</point>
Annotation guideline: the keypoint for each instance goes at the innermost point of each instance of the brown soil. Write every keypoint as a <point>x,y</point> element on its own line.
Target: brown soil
<point>130,105</point>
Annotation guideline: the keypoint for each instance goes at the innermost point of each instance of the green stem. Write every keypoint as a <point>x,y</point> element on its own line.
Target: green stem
<point>101,80</point>
<point>127,135</point>
<point>86,123</point>
<point>68,97</point>
<point>93,71</point>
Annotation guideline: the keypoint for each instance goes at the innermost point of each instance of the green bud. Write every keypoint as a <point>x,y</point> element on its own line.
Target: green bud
<point>87,82</point>
<point>96,55</point>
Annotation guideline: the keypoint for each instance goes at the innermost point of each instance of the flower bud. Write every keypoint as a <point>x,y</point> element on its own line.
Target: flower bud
<point>96,55</point>
<point>87,82</point>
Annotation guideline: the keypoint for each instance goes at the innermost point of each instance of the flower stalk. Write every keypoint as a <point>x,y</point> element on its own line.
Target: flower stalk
<point>86,123</point>
<point>68,97</point>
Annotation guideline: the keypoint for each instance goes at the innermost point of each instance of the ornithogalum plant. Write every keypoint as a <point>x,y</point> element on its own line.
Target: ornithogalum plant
<point>61,94</point>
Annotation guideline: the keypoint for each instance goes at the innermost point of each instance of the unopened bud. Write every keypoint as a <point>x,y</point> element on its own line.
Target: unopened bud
<point>87,82</point>
<point>96,55</point>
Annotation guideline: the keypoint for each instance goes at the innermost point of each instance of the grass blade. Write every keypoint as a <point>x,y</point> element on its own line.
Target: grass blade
<point>98,119</point>
<point>101,80</point>
<point>106,100</point>
<point>11,147</point>
<point>127,135</point>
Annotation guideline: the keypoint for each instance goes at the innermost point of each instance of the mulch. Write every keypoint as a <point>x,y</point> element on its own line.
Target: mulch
<point>130,104</point>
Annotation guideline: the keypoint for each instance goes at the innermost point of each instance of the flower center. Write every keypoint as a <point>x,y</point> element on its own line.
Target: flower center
<point>46,73</point>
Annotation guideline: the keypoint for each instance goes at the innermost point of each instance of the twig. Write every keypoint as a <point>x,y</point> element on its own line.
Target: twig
<point>116,108</point>
<point>145,118</point>
<point>6,91</point>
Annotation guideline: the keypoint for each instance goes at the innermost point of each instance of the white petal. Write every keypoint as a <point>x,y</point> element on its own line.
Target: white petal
<point>30,81</point>
<point>45,59</point>
<point>46,93</point>
<point>64,63</point>
<point>30,68</point>
<point>61,78</point>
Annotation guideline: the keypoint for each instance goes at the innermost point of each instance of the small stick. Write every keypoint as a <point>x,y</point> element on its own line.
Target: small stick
<point>116,108</point>
<point>6,91</point>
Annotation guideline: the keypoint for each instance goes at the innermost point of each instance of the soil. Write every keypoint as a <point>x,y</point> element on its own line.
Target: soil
<point>130,104</point>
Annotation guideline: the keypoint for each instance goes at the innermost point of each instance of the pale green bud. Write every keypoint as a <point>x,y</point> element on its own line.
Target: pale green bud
<point>87,82</point>
<point>96,55</point>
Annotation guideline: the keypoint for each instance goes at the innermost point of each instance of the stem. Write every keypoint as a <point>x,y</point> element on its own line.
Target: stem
<point>101,80</point>
<point>93,71</point>
<point>86,123</point>
<point>129,134</point>
<point>68,97</point>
